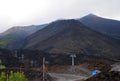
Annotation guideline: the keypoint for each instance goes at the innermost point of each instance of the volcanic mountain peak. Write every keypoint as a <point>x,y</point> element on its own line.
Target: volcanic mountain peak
<point>91,15</point>
<point>103,25</point>
<point>66,36</point>
<point>64,22</point>
<point>54,28</point>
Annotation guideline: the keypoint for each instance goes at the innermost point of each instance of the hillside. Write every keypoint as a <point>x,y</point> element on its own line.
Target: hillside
<point>106,76</point>
<point>11,38</point>
<point>107,26</point>
<point>7,58</point>
<point>66,36</point>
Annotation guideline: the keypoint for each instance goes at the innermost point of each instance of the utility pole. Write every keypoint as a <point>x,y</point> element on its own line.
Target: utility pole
<point>16,54</point>
<point>20,74</point>
<point>43,68</point>
<point>73,56</point>
<point>22,58</point>
<point>31,63</point>
<point>73,63</point>
<point>7,77</point>
<point>36,78</point>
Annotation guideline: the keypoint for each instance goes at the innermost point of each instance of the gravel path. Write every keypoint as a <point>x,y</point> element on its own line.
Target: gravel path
<point>66,77</point>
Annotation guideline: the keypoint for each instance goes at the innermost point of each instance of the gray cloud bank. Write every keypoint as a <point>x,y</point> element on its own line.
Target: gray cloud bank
<point>60,9</point>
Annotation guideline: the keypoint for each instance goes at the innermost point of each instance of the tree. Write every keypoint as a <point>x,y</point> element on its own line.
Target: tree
<point>1,66</point>
<point>18,76</point>
<point>3,76</point>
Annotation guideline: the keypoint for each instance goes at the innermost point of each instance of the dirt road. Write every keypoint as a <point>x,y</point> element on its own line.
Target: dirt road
<point>66,77</point>
<point>116,67</point>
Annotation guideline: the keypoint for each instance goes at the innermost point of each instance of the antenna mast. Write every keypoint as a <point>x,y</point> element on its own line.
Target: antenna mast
<point>43,68</point>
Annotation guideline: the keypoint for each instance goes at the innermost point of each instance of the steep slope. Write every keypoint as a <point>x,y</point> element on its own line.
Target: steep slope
<point>10,38</point>
<point>103,25</point>
<point>67,36</point>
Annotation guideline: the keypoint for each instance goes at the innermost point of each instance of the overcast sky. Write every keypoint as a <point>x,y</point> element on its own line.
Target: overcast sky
<point>32,12</point>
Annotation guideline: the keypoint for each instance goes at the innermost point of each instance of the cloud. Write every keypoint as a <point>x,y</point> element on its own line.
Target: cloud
<point>27,12</point>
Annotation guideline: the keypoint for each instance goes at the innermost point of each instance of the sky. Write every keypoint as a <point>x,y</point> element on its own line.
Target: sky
<point>36,12</point>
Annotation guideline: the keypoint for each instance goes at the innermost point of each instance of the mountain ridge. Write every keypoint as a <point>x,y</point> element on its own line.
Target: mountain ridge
<point>66,36</point>
<point>106,26</point>
<point>71,36</point>
<point>11,37</point>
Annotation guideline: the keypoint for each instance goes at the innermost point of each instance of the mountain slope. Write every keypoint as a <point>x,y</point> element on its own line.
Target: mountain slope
<point>7,58</point>
<point>67,36</point>
<point>10,38</point>
<point>107,26</point>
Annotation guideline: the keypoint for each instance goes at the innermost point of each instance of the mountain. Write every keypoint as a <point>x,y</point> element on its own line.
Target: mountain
<point>107,26</point>
<point>71,36</point>
<point>10,38</point>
